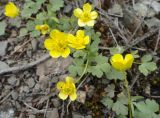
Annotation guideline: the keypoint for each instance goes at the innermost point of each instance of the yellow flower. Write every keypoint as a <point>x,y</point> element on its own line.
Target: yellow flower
<point>43,28</point>
<point>11,10</point>
<point>85,16</point>
<point>79,41</point>
<point>120,63</point>
<point>57,44</point>
<point>67,89</point>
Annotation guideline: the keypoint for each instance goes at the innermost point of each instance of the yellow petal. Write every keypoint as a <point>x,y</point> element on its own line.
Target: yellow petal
<point>55,54</point>
<point>54,33</point>
<point>70,38</point>
<point>44,32</point>
<point>117,57</point>
<point>80,34</point>
<point>129,60</point>
<point>87,7</point>
<point>63,96</point>
<point>60,85</point>
<point>38,27</point>
<point>49,44</point>
<point>78,12</point>
<point>73,96</point>
<point>11,10</point>
<point>81,23</point>
<point>65,53</point>
<point>94,15</point>
<point>69,79</point>
<point>118,65</point>
<point>90,23</point>
<point>86,39</point>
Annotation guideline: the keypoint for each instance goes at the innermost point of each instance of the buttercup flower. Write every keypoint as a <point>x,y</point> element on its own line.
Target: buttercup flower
<point>11,10</point>
<point>67,89</point>
<point>43,28</point>
<point>79,41</point>
<point>120,63</point>
<point>85,16</point>
<point>57,44</point>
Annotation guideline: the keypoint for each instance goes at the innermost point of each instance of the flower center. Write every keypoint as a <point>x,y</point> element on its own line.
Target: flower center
<point>86,17</point>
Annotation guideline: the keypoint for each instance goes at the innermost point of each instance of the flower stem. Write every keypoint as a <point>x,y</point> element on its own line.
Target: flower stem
<point>129,97</point>
<point>84,71</point>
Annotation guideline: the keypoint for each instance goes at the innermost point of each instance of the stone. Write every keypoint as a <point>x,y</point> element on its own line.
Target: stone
<point>14,95</point>
<point>3,65</point>
<point>81,96</point>
<point>12,80</point>
<point>77,115</point>
<point>3,48</point>
<point>52,114</point>
<point>56,102</point>
<point>30,82</point>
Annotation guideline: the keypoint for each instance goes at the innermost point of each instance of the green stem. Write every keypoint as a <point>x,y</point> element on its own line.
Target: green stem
<point>84,71</point>
<point>129,98</point>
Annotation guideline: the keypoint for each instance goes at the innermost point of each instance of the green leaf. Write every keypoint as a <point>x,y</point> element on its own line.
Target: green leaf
<point>100,66</point>
<point>121,116</point>
<point>30,25</point>
<point>115,74</point>
<point>35,33</point>
<point>23,32</point>
<point>41,16</point>
<point>116,50</point>
<point>56,4</point>
<point>149,106</point>
<point>110,90</point>
<point>146,58</point>
<point>120,108</point>
<point>146,109</point>
<point>147,67</point>
<point>79,53</point>
<point>108,102</point>
<point>3,27</point>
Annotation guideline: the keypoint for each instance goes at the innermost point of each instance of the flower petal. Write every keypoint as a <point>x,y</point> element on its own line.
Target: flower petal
<point>55,54</point>
<point>66,52</point>
<point>60,85</point>
<point>128,60</point>
<point>80,34</point>
<point>69,79</point>
<point>94,15</point>
<point>118,65</point>
<point>71,38</point>
<point>117,57</point>
<point>91,23</point>
<point>11,10</point>
<point>49,44</point>
<point>54,33</point>
<point>78,12</point>
<point>87,7</point>
<point>63,96</point>
<point>81,23</point>
<point>86,39</point>
<point>73,96</point>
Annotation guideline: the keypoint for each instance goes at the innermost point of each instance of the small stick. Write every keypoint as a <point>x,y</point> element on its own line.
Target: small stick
<point>156,47</point>
<point>26,66</point>
<point>113,37</point>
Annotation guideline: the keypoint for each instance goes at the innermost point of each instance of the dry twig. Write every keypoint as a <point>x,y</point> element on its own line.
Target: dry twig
<point>26,66</point>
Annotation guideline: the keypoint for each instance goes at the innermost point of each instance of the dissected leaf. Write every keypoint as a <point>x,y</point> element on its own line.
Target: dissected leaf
<point>115,74</point>
<point>146,58</point>
<point>110,90</point>
<point>108,102</point>
<point>147,68</point>
<point>120,108</point>
<point>56,4</point>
